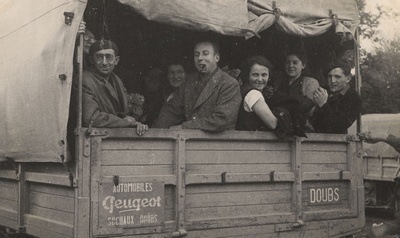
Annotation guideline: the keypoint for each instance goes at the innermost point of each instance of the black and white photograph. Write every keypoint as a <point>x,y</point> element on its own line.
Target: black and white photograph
<point>200,119</point>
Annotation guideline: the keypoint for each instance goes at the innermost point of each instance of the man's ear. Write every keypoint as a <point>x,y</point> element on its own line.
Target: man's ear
<point>217,57</point>
<point>348,78</point>
<point>116,60</point>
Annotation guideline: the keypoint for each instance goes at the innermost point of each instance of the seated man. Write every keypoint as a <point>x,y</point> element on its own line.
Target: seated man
<point>104,98</point>
<point>208,100</point>
<point>336,112</point>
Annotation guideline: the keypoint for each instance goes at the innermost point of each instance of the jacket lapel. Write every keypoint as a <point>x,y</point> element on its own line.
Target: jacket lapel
<point>111,89</point>
<point>208,90</point>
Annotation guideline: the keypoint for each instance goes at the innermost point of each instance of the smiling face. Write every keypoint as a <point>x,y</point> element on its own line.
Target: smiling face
<point>337,80</point>
<point>258,76</point>
<point>176,75</point>
<point>294,66</point>
<point>205,58</point>
<point>105,61</point>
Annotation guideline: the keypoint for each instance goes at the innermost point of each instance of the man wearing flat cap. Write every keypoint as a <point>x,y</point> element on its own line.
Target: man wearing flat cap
<point>337,110</point>
<point>104,98</point>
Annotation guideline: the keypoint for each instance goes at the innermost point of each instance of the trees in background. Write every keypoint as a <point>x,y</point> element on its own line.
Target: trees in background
<point>380,75</point>
<point>380,71</point>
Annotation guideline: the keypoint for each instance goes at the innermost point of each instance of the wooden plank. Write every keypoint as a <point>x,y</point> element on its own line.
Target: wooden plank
<point>237,211</point>
<point>8,183</point>
<point>50,224</point>
<point>326,138</point>
<point>95,181</point>
<point>51,201</point>
<point>245,231</point>
<point>9,193</point>
<point>149,232</point>
<point>8,174</point>
<point>237,198</point>
<point>343,227</point>
<point>8,222</point>
<point>8,204</point>
<point>323,147</point>
<point>344,205</point>
<point>48,213</point>
<point>8,214</point>
<point>324,167</point>
<point>113,145</point>
<point>239,222</point>
<point>22,200</point>
<point>233,188</point>
<point>137,157</point>
<point>82,221</point>
<point>51,189</point>
<point>243,145</point>
<point>238,157</point>
<point>56,179</point>
<point>167,179</point>
<point>328,215</point>
<point>323,157</point>
<point>137,170</point>
<point>44,233</point>
<point>238,178</point>
<point>169,215</point>
<point>46,168</point>
<point>321,176</point>
<point>237,168</point>
<point>180,189</point>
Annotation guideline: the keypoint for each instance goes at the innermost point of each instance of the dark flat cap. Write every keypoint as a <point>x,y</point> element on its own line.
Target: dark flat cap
<point>103,45</point>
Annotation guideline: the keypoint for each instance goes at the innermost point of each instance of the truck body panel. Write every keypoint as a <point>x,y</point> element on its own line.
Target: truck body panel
<point>208,185</point>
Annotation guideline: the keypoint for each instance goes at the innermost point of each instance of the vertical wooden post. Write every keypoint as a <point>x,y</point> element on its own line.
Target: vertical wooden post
<point>180,169</point>
<point>82,192</point>
<point>297,186</point>
<point>22,198</point>
<point>357,73</point>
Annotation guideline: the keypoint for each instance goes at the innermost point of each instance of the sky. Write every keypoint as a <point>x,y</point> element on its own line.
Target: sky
<point>390,27</point>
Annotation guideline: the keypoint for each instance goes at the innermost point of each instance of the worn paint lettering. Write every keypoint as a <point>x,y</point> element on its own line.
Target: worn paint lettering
<point>323,195</point>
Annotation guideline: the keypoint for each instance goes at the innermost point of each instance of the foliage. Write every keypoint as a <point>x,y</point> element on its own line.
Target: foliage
<point>369,22</point>
<point>381,79</point>
<point>380,72</point>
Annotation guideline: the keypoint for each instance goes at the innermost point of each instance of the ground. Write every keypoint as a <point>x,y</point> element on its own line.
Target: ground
<point>389,229</point>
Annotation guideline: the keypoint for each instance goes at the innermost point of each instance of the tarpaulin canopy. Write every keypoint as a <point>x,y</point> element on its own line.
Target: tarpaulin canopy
<point>240,17</point>
<point>36,48</point>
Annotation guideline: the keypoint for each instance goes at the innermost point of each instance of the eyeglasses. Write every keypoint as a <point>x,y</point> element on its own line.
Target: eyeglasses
<point>99,58</point>
<point>87,38</point>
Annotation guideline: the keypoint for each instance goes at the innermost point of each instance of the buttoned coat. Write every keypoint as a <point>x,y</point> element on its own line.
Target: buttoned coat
<point>215,109</point>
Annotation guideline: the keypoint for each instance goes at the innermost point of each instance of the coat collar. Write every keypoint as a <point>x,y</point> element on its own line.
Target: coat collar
<point>209,89</point>
<point>108,83</point>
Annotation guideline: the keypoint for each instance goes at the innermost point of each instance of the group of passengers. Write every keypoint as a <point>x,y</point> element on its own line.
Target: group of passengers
<point>212,100</point>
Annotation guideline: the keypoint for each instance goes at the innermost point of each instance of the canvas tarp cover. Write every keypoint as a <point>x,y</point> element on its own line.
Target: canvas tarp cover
<point>36,47</point>
<point>240,17</point>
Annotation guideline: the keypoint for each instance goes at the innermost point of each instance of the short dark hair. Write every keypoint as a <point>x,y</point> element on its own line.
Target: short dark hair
<point>257,59</point>
<point>301,54</point>
<point>344,65</point>
<point>175,61</point>
<point>208,39</point>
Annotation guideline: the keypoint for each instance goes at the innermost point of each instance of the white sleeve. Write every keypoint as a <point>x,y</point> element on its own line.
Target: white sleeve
<point>251,98</point>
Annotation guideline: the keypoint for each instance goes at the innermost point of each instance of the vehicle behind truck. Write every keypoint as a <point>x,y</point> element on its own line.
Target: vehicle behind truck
<point>168,183</point>
<point>381,165</point>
